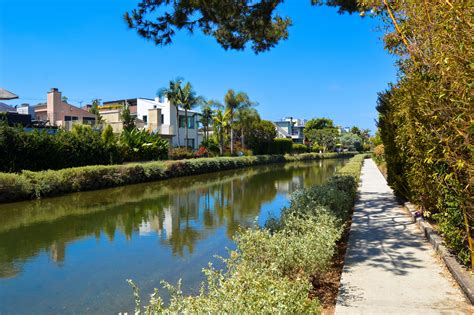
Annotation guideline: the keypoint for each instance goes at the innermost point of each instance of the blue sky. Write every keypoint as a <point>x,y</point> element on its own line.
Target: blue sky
<point>331,66</point>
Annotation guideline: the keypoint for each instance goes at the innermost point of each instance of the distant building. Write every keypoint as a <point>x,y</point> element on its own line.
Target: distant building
<point>13,117</point>
<point>60,113</point>
<point>291,128</point>
<point>26,109</point>
<point>4,108</point>
<point>157,116</point>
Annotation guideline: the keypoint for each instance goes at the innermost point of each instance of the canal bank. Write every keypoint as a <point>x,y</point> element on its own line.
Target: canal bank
<point>33,185</point>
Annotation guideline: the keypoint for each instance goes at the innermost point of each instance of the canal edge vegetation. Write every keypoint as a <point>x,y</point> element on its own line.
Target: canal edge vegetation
<point>272,268</point>
<point>33,185</point>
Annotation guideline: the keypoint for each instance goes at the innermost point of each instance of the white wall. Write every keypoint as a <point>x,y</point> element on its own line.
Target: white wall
<point>169,118</point>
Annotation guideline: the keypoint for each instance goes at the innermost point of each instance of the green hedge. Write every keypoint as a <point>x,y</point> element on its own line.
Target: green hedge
<point>299,148</point>
<point>270,270</point>
<point>280,146</point>
<point>28,184</point>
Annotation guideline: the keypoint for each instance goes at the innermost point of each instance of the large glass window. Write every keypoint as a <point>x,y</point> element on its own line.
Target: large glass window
<point>182,120</point>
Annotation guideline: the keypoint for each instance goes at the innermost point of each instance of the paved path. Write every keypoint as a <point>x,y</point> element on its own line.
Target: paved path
<point>389,267</point>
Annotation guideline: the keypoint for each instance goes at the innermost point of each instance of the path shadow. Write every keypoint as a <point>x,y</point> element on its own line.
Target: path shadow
<point>381,236</point>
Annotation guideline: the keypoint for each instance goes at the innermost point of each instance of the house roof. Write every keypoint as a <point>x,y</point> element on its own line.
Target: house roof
<point>6,108</point>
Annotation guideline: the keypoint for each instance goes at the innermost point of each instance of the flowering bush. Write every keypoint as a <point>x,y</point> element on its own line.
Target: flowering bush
<point>201,152</point>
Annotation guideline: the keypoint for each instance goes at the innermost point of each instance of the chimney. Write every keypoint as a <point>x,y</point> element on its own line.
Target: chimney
<point>157,99</point>
<point>54,105</point>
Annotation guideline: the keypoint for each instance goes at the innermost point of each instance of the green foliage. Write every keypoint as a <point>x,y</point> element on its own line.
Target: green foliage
<point>318,123</point>
<point>326,138</point>
<point>95,111</point>
<point>27,184</point>
<point>206,120</point>
<point>281,146</point>
<point>211,145</point>
<point>260,137</point>
<point>108,135</point>
<point>269,271</point>
<point>127,119</point>
<point>299,148</point>
<point>39,150</point>
<point>425,119</point>
<point>254,22</point>
<point>352,141</point>
<point>180,153</point>
<point>379,153</point>
<point>141,145</point>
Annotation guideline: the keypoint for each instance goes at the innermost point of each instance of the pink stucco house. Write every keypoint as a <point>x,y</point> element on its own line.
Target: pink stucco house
<point>60,113</point>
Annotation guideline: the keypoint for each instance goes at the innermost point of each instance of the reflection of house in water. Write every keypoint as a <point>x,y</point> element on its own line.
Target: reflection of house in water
<point>58,251</point>
<point>181,207</point>
<point>150,226</point>
<point>289,186</point>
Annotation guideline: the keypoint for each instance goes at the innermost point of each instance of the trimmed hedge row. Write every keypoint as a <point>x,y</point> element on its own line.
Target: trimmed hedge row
<point>29,185</point>
<point>271,268</point>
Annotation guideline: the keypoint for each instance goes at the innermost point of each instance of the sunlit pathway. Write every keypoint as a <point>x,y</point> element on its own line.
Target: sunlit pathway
<point>389,267</point>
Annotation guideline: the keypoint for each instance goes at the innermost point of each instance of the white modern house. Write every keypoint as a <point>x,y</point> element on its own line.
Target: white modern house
<point>156,115</point>
<point>292,128</point>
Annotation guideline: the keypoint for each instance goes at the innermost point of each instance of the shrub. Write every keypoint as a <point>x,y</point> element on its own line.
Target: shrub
<point>316,148</point>
<point>280,146</point>
<point>379,153</point>
<point>201,152</point>
<point>180,153</point>
<point>299,148</point>
<point>141,145</point>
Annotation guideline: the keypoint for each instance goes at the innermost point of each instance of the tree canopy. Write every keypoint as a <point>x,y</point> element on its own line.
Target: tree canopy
<point>233,23</point>
<point>318,123</point>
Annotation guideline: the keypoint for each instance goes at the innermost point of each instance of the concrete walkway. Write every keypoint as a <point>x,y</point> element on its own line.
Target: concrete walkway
<point>389,267</point>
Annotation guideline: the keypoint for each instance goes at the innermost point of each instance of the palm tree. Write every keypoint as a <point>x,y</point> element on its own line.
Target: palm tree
<point>245,118</point>
<point>221,124</point>
<point>206,119</point>
<point>188,100</point>
<point>172,93</point>
<point>235,102</point>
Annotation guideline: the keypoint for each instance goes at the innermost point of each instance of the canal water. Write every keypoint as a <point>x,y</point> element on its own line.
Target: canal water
<point>73,254</point>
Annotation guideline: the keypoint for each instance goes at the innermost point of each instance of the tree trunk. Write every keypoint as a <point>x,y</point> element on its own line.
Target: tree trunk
<point>231,141</point>
<point>221,142</point>
<point>242,140</point>
<point>186,128</point>
<point>177,123</point>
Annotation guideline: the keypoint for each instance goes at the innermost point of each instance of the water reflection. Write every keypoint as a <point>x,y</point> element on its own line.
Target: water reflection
<point>180,213</point>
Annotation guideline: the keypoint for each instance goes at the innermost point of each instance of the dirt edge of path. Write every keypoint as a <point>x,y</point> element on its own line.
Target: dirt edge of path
<point>326,286</point>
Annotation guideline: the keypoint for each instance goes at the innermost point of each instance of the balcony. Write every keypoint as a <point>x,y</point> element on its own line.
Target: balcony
<point>166,130</point>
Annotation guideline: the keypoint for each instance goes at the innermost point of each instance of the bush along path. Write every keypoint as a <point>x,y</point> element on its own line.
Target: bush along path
<point>389,267</point>
<point>271,269</point>
<point>28,185</point>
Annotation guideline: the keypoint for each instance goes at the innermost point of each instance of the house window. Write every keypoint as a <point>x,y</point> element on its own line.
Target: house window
<point>145,119</point>
<point>162,119</point>
<point>67,118</point>
<point>88,120</point>
<point>182,120</point>
<point>75,118</point>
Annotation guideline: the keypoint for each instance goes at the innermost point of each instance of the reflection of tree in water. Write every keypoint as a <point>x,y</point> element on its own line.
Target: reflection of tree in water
<point>182,211</point>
